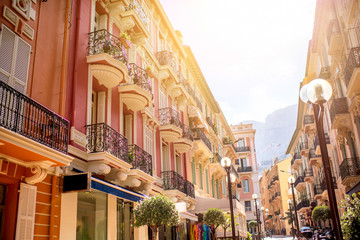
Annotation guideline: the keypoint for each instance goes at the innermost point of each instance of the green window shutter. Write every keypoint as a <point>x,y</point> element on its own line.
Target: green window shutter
<point>217,189</point>
<point>193,171</point>
<point>212,187</point>
<point>207,180</point>
<point>201,177</point>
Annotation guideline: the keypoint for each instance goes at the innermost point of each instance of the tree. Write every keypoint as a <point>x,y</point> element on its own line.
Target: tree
<point>227,224</point>
<point>155,212</point>
<point>289,217</point>
<point>321,213</point>
<point>248,236</point>
<point>215,217</point>
<point>350,220</point>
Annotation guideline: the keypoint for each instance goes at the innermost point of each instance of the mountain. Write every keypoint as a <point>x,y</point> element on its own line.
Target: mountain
<point>273,136</point>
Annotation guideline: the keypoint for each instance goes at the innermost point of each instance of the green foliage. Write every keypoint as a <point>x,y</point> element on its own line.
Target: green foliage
<point>350,220</point>
<point>214,216</point>
<point>125,35</point>
<point>248,236</point>
<point>156,211</point>
<point>289,217</point>
<point>321,213</point>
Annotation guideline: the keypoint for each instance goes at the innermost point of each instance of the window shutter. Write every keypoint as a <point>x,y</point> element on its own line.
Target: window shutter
<point>193,171</point>
<point>21,65</point>
<point>26,212</point>
<point>7,43</point>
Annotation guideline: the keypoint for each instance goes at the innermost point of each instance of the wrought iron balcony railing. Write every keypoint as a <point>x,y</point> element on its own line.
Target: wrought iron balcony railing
<point>245,169</point>
<point>338,106</point>
<point>298,180</point>
<point>173,181</point>
<point>186,132</point>
<point>234,171</point>
<point>312,152</point>
<point>211,124</point>
<point>242,149</point>
<point>303,203</point>
<point>103,138</point>
<point>101,41</point>
<point>168,58</point>
<point>309,119</point>
<point>199,134</point>
<point>169,116</point>
<point>323,184</point>
<point>296,156</point>
<point>349,167</point>
<point>139,77</point>
<point>189,189</point>
<point>21,114</point>
<point>140,159</point>
<point>352,63</point>
<point>190,90</point>
<point>318,189</point>
<point>304,146</point>
<point>135,5</point>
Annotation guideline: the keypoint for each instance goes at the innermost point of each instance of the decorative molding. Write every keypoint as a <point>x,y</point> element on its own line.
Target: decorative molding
<point>99,167</point>
<point>39,169</point>
<point>78,137</point>
<point>116,175</point>
<point>15,19</point>
<point>23,7</point>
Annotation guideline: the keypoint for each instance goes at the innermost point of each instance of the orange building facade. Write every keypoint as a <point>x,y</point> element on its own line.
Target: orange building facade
<point>105,94</point>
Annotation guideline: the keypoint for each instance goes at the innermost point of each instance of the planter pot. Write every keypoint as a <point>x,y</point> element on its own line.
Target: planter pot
<point>126,43</point>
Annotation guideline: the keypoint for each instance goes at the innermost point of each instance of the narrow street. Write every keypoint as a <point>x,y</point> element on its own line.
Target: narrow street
<point>278,237</point>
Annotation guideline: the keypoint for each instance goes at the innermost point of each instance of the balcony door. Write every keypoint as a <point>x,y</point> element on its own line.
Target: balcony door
<point>243,162</point>
<point>98,105</point>
<point>178,164</point>
<point>165,158</point>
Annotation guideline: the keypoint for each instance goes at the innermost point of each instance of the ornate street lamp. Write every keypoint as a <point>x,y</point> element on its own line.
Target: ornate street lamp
<point>226,163</point>
<point>254,196</point>
<point>318,92</point>
<point>292,220</point>
<point>291,181</point>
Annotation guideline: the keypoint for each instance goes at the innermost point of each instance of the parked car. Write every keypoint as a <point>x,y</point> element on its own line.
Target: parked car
<point>306,232</point>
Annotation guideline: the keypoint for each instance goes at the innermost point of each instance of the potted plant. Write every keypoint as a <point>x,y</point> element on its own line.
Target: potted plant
<point>149,71</point>
<point>125,40</point>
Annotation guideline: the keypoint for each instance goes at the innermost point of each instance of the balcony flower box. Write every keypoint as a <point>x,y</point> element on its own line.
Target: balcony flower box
<point>125,40</point>
<point>149,71</point>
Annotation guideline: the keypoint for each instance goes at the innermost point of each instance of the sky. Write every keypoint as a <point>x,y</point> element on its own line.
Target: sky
<point>251,52</point>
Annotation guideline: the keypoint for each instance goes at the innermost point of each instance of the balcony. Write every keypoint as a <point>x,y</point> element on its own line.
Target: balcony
<point>134,18</point>
<point>184,144</point>
<point>29,130</point>
<point>299,183</point>
<point>304,148</point>
<point>140,159</point>
<point>107,57</point>
<point>203,143</point>
<point>136,93</point>
<point>303,205</point>
<point>350,171</point>
<point>173,181</point>
<point>352,71</point>
<point>189,189</point>
<point>339,113</point>
<point>309,175</point>
<point>170,125</point>
<point>334,38</point>
<point>169,70</point>
<point>318,191</point>
<point>324,187</point>
<point>245,169</point>
<point>211,124</point>
<point>242,149</point>
<point>296,161</point>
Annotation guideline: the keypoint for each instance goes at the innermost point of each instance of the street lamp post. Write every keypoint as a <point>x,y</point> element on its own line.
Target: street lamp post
<point>292,220</point>
<point>254,196</point>
<point>291,181</point>
<point>226,163</point>
<point>263,210</point>
<point>318,92</point>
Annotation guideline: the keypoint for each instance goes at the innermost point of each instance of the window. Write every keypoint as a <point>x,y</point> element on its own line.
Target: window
<point>124,218</point>
<point>15,59</point>
<point>248,206</point>
<point>246,187</point>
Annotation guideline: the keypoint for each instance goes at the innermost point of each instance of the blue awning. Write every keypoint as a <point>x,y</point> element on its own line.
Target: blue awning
<point>116,190</point>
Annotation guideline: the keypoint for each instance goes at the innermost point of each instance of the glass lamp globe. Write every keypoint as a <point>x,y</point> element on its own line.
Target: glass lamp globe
<point>291,179</point>
<point>288,201</point>
<point>254,196</point>
<point>232,178</point>
<point>267,210</point>
<point>225,162</point>
<point>303,93</point>
<point>319,91</point>
<point>262,208</point>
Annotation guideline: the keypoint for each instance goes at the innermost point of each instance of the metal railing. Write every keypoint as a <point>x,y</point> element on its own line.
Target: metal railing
<point>296,156</point>
<point>189,189</point>
<point>303,203</point>
<point>352,63</point>
<point>101,41</point>
<point>298,180</point>
<point>309,119</point>
<point>312,153</point>
<point>168,58</point>
<point>318,189</point>
<point>103,138</point>
<point>140,159</point>
<point>135,5</point>
<point>187,133</point>
<point>169,116</point>
<point>323,184</point>
<point>21,114</point>
<point>338,106</point>
<point>245,169</point>
<point>349,167</point>
<point>211,124</point>
<point>199,134</point>
<point>234,171</point>
<point>242,149</point>
<point>190,90</point>
<point>173,181</point>
<point>139,77</point>
<point>304,146</point>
